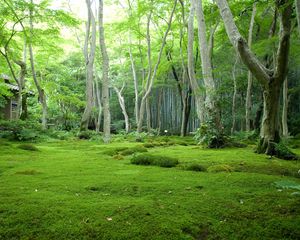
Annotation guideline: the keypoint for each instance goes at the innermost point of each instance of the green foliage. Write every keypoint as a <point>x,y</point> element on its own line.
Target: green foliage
<point>88,134</point>
<point>283,152</point>
<point>19,130</point>
<point>28,147</point>
<point>209,136</point>
<point>148,159</point>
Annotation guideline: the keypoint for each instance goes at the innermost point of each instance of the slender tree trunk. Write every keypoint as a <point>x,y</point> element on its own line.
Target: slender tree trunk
<point>250,78</point>
<point>41,92</point>
<point>136,90</point>
<point>271,80</point>
<point>234,96</point>
<point>198,94</point>
<point>160,96</point>
<point>89,53</point>
<point>105,79</point>
<point>123,107</point>
<point>148,115</point>
<point>99,106</point>
<point>152,74</point>
<point>285,132</point>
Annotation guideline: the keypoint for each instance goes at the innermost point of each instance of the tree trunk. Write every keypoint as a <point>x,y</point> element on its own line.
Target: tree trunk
<point>136,90</point>
<point>285,100</point>
<point>210,87</point>
<point>41,92</point>
<point>271,80</point>
<point>89,62</point>
<point>99,106</point>
<point>250,78</point>
<point>148,115</point>
<point>123,107</point>
<point>234,96</point>
<point>198,94</point>
<point>105,79</point>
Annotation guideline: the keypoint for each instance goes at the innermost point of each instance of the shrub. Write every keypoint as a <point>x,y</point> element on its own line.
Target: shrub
<point>28,172</point>
<point>220,168</point>
<point>208,135</point>
<point>28,147</point>
<point>195,167</point>
<point>85,134</point>
<point>19,130</point>
<point>148,159</point>
<point>149,145</point>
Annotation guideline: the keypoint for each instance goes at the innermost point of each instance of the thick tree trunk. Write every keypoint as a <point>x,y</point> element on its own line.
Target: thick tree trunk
<point>41,92</point>
<point>210,87</point>
<point>89,62</point>
<point>271,80</point>
<point>270,123</point>
<point>250,78</point>
<point>105,79</point>
<point>285,101</point>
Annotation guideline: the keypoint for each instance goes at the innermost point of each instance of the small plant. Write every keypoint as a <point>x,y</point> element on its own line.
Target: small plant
<point>149,145</point>
<point>195,167</point>
<point>114,151</point>
<point>28,147</point>
<point>148,159</point>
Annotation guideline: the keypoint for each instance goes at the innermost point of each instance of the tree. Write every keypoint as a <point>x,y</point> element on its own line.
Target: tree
<point>89,55</point>
<point>105,79</point>
<point>270,79</point>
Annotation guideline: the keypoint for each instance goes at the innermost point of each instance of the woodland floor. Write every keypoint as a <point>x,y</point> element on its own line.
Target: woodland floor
<point>77,190</point>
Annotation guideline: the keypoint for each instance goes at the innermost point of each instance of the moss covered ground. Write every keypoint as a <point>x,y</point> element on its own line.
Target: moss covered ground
<point>81,189</point>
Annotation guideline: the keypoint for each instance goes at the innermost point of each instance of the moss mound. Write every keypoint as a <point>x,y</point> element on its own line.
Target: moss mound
<point>195,167</point>
<point>148,159</point>
<point>220,168</point>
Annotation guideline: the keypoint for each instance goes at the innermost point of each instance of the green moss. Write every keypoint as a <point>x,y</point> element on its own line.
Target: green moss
<point>83,194</point>
<point>148,159</point>
<point>28,147</point>
<point>195,167</point>
<point>220,168</point>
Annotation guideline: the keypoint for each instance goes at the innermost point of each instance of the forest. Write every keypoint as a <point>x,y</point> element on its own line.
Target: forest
<point>149,119</point>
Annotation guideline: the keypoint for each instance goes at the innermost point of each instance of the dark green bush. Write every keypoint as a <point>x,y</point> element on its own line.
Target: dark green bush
<point>195,167</point>
<point>28,147</point>
<point>148,159</point>
<point>19,130</point>
<point>86,134</point>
